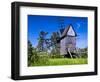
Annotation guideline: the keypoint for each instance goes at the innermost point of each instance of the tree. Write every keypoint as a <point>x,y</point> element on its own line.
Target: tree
<point>42,41</point>
<point>85,53</point>
<point>55,46</point>
<point>30,53</point>
<point>33,56</point>
<point>30,48</point>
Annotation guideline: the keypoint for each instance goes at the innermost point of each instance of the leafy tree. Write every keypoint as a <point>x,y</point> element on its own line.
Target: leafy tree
<point>32,54</point>
<point>42,41</point>
<point>84,53</point>
<point>55,46</point>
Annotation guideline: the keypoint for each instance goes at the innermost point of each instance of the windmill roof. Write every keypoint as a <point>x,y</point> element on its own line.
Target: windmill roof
<point>65,32</point>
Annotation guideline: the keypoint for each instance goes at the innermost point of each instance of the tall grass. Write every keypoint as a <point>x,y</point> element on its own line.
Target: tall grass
<point>66,61</point>
<point>61,61</point>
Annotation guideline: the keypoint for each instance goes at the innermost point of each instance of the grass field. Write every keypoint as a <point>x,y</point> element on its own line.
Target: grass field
<point>62,61</point>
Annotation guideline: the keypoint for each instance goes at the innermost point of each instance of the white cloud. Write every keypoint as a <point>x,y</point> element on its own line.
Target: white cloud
<point>78,25</point>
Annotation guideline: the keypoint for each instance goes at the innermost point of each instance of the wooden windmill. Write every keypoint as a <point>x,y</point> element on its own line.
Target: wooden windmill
<point>68,41</point>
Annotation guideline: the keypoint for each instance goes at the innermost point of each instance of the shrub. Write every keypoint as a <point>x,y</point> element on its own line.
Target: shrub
<point>38,58</point>
<point>43,58</point>
<point>84,55</point>
<point>33,57</point>
<point>56,56</point>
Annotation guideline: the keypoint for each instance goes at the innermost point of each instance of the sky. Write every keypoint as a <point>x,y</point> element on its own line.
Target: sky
<point>37,23</point>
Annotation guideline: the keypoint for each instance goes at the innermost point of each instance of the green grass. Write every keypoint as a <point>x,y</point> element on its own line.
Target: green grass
<point>66,61</point>
<point>62,61</point>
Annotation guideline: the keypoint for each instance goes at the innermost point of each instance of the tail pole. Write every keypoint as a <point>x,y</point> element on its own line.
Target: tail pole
<point>70,53</point>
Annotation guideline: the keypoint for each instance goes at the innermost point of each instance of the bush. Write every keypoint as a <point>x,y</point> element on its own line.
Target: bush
<point>38,58</point>
<point>56,56</point>
<point>84,55</point>
<point>33,57</point>
<point>43,58</point>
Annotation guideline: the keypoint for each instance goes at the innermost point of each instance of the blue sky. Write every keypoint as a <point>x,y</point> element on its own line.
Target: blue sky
<point>50,24</point>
